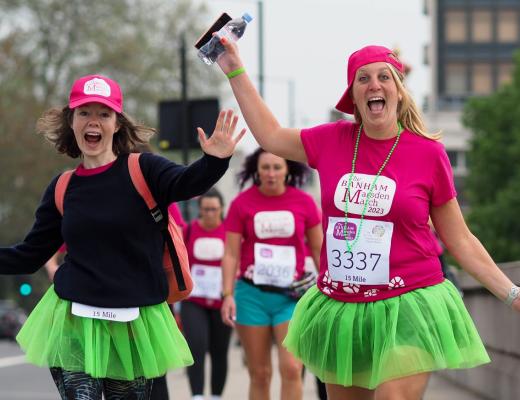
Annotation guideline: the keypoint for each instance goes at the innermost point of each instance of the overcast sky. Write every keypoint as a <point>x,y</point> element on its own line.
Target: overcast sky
<point>308,42</point>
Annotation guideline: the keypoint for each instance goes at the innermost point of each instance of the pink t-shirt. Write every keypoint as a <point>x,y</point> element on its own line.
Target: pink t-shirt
<point>272,220</point>
<point>417,177</point>
<point>174,211</point>
<point>205,251</point>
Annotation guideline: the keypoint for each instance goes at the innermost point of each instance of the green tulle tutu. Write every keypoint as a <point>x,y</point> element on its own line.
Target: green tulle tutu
<point>148,346</point>
<point>365,344</point>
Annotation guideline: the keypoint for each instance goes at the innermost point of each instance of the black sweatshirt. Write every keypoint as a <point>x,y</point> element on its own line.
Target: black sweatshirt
<point>114,247</point>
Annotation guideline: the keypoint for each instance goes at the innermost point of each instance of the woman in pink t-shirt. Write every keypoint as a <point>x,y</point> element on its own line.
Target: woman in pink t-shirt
<point>382,317</point>
<point>266,227</point>
<point>200,313</point>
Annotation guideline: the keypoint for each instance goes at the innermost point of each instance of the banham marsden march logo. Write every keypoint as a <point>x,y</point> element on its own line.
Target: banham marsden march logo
<point>266,253</point>
<point>98,87</point>
<point>339,231</point>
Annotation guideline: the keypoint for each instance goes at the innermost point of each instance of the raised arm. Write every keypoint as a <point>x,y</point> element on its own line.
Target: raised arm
<point>284,142</point>
<point>468,251</point>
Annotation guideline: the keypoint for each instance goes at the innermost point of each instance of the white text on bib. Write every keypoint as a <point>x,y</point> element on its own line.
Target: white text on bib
<point>208,249</point>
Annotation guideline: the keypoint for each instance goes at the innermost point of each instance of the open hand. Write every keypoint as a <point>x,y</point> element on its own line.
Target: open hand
<point>222,143</point>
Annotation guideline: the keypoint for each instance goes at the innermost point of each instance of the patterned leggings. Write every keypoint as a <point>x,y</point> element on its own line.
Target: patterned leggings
<point>81,386</point>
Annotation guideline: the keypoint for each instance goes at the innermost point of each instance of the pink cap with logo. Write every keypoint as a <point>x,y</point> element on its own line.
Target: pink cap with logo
<point>96,89</point>
<point>364,56</point>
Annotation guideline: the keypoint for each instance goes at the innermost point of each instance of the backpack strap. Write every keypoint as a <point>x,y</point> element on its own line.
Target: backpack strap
<point>61,188</point>
<point>142,188</point>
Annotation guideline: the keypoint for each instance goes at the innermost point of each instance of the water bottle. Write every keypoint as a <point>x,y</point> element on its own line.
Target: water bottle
<point>233,30</point>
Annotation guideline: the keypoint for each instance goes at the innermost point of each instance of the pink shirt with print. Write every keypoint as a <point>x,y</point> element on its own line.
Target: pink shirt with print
<point>252,203</point>
<point>205,247</point>
<point>417,177</point>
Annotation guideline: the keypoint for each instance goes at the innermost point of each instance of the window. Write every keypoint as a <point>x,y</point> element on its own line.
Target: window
<point>505,73</point>
<point>455,28</point>
<point>481,26</point>
<point>482,79</point>
<point>507,26</point>
<point>455,79</point>
<point>452,156</point>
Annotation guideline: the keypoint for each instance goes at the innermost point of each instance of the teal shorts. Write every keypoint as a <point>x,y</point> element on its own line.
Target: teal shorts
<point>259,308</point>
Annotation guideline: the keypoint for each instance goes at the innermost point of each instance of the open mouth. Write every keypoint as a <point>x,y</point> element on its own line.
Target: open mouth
<point>92,138</point>
<point>376,104</point>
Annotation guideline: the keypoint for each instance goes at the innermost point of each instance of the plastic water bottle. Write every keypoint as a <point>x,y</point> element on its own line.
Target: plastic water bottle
<point>233,30</point>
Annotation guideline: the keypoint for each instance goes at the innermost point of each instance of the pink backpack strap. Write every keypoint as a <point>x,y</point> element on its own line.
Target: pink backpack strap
<point>142,188</point>
<point>139,182</point>
<point>61,188</point>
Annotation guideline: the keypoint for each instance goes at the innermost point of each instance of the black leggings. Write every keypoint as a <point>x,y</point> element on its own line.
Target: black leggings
<point>81,386</point>
<point>205,332</point>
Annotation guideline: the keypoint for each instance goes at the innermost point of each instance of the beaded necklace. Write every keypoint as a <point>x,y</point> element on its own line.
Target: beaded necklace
<point>356,238</point>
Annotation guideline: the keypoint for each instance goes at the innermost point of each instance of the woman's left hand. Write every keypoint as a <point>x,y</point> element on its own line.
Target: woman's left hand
<point>222,143</point>
<point>516,305</point>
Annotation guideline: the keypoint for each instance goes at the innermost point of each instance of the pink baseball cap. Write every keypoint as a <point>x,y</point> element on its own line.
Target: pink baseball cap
<point>364,56</point>
<point>96,89</point>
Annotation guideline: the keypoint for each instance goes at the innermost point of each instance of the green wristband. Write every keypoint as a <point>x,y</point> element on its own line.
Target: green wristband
<point>236,72</point>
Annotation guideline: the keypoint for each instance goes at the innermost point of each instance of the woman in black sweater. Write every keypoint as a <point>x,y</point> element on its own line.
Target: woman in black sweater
<point>113,268</point>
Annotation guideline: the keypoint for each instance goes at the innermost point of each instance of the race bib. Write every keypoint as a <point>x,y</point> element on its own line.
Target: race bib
<point>274,265</point>
<point>207,281</point>
<point>111,314</point>
<point>208,249</point>
<point>274,224</point>
<point>368,263</point>
<point>380,200</point>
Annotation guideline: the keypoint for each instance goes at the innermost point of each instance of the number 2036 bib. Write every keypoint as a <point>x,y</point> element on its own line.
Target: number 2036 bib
<point>369,261</point>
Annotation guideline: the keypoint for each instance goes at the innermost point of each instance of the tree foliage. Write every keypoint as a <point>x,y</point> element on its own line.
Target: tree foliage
<point>493,184</point>
<point>46,44</point>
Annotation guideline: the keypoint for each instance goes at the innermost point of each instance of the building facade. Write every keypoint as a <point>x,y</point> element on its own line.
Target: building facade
<point>470,54</point>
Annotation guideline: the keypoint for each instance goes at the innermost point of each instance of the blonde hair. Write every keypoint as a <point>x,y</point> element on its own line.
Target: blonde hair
<point>408,113</point>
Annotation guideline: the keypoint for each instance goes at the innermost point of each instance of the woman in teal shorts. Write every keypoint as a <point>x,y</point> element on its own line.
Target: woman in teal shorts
<point>266,227</point>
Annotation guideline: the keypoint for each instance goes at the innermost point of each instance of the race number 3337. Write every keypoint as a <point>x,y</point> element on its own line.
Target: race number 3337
<point>368,262</point>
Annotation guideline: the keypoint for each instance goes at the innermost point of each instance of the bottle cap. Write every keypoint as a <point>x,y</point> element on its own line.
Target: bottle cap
<point>246,17</point>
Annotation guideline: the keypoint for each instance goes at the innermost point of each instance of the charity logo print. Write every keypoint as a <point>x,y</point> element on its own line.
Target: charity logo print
<point>97,86</point>
<point>379,199</point>
<point>274,224</point>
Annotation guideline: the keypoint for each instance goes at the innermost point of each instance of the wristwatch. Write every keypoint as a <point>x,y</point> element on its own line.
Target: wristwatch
<point>514,292</point>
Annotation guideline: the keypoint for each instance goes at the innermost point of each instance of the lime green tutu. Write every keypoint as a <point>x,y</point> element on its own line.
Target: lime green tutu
<point>366,344</point>
<point>146,347</point>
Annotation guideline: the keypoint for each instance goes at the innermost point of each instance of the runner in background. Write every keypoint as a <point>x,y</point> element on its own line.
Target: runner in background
<point>200,313</point>
<point>266,229</point>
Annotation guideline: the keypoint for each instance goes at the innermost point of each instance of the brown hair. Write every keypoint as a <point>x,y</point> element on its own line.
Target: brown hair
<point>55,126</point>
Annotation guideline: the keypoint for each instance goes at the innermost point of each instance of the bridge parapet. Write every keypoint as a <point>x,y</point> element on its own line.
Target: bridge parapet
<point>499,328</point>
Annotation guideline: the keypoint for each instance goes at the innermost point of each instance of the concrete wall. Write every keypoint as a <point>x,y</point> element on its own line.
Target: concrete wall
<point>499,328</point>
